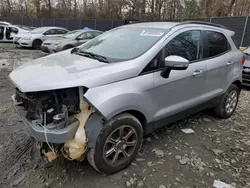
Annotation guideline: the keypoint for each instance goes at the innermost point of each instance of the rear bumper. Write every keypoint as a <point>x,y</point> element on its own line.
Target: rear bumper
<point>49,49</point>
<point>45,49</point>
<point>51,135</point>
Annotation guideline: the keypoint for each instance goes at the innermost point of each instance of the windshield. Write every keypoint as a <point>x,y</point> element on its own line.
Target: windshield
<point>39,30</point>
<point>24,27</point>
<point>122,44</point>
<point>72,34</point>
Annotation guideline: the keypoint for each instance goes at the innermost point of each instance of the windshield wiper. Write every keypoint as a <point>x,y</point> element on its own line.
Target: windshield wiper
<point>92,55</point>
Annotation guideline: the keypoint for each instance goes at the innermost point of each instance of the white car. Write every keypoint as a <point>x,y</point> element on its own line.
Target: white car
<point>5,23</point>
<point>36,37</point>
<point>8,32</point>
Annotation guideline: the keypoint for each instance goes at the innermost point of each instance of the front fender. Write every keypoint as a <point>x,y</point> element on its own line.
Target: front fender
<point>113,99</point>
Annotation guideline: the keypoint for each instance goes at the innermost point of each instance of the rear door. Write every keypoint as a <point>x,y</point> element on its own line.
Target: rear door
<point>220,61</point>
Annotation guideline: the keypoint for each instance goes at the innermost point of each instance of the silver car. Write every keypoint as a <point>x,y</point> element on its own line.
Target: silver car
<point>99,99</point>
<point>246,68</point>
<point>35,38</point>
<point>69,40</point>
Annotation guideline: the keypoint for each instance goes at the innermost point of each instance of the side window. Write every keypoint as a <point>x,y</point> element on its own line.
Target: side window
<point>61,31</point>
<point>96,33</point>
<point>186,45</point>
<point>85,36</point>
<point>217,44</point>
<point>155,62</point>
<point>14,30</point>
<point>51,32</point>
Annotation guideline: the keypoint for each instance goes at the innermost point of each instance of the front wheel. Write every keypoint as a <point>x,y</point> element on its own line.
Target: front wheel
<point>117,144</point>
<point>228,102</point>
<point>37,44</point>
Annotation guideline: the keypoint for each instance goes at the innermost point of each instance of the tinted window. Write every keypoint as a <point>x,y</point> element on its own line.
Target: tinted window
<point>186,45</point>
<point>85,36</point>
<point>51,32</point>
<point>96,33</point>
<point>61,31</point>
<point>217,43</point>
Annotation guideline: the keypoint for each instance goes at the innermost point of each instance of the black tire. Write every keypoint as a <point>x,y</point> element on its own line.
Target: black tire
<point>96,156</point>
<point>67,47</point>
<point>37,44</point>
<point>221,110</point>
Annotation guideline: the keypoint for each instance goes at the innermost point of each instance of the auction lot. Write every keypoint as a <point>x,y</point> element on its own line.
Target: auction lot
<point>217,150</point>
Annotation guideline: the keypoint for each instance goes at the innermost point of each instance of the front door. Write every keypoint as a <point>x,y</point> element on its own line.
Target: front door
<point>184,88</point>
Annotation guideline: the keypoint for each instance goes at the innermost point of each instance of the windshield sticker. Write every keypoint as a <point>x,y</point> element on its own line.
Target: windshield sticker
<point>151,33</point>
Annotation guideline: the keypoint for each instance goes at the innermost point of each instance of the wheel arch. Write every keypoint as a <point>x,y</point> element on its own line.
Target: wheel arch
<point>68,46</point>
<point>238,84</point>
<point>37,39</point>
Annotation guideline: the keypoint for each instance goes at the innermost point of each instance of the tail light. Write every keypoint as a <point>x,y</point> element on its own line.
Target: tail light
<point>243,60</point>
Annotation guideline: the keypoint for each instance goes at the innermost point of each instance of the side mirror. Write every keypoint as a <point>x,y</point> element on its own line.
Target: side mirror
<point>174,62</point>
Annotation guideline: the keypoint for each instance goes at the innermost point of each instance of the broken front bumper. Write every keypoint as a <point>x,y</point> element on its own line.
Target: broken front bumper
<point>51,135</point>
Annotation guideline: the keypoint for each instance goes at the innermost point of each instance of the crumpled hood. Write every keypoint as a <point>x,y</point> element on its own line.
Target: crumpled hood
<point>65,70</point>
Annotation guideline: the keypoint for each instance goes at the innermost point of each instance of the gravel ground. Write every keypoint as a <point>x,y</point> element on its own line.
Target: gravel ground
<point>217,150</point>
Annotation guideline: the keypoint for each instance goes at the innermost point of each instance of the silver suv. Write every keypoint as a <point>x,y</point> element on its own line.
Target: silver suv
<point>98,100</point>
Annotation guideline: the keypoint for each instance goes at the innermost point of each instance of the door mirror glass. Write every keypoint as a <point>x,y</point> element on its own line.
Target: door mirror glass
<point>176,62</point>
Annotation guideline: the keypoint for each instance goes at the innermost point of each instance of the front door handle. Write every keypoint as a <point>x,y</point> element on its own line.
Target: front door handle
<point>230,62</point>
<point>197,72</point>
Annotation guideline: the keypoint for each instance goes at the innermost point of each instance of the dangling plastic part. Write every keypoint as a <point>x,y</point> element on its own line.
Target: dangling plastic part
<point>75,147</point>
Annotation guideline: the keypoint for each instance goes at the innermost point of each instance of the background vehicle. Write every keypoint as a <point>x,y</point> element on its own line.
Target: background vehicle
<point>8,32</point>
<point>127,82</point>
<point>36,37</point>
<point>5,23</point>
<point>246,68</point>
<point>69,40</point>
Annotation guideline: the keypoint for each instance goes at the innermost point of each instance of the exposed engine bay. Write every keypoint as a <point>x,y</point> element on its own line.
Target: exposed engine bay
<point>52,106</point>
<point>55,111</point>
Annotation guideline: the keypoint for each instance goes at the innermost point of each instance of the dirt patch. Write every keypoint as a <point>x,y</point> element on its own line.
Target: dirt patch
<point>217,150</point>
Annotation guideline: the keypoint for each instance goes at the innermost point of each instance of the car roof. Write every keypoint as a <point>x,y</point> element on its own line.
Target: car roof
<point>159,25</point>
<point>170,25</point>
<point>52,27</point>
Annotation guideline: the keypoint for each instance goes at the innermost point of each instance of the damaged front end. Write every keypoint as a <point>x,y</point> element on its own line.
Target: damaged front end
<point>56,119</point>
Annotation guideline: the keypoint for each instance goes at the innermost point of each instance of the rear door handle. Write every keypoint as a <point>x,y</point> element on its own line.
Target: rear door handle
<point>230,62</point>
<point>197,72</point>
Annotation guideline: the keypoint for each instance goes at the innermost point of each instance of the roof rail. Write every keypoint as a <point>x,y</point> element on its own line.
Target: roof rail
<point>202,23</point>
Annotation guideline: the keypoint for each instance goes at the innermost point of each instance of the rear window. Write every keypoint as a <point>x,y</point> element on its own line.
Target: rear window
<point>217,43</point>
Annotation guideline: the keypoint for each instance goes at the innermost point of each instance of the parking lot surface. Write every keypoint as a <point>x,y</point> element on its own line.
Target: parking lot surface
<point>216,150</point>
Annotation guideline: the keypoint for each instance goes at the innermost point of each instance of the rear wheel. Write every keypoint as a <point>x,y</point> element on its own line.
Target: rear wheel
<point>117,145</point>
<point>228,102</point>
<point>37,44</point>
